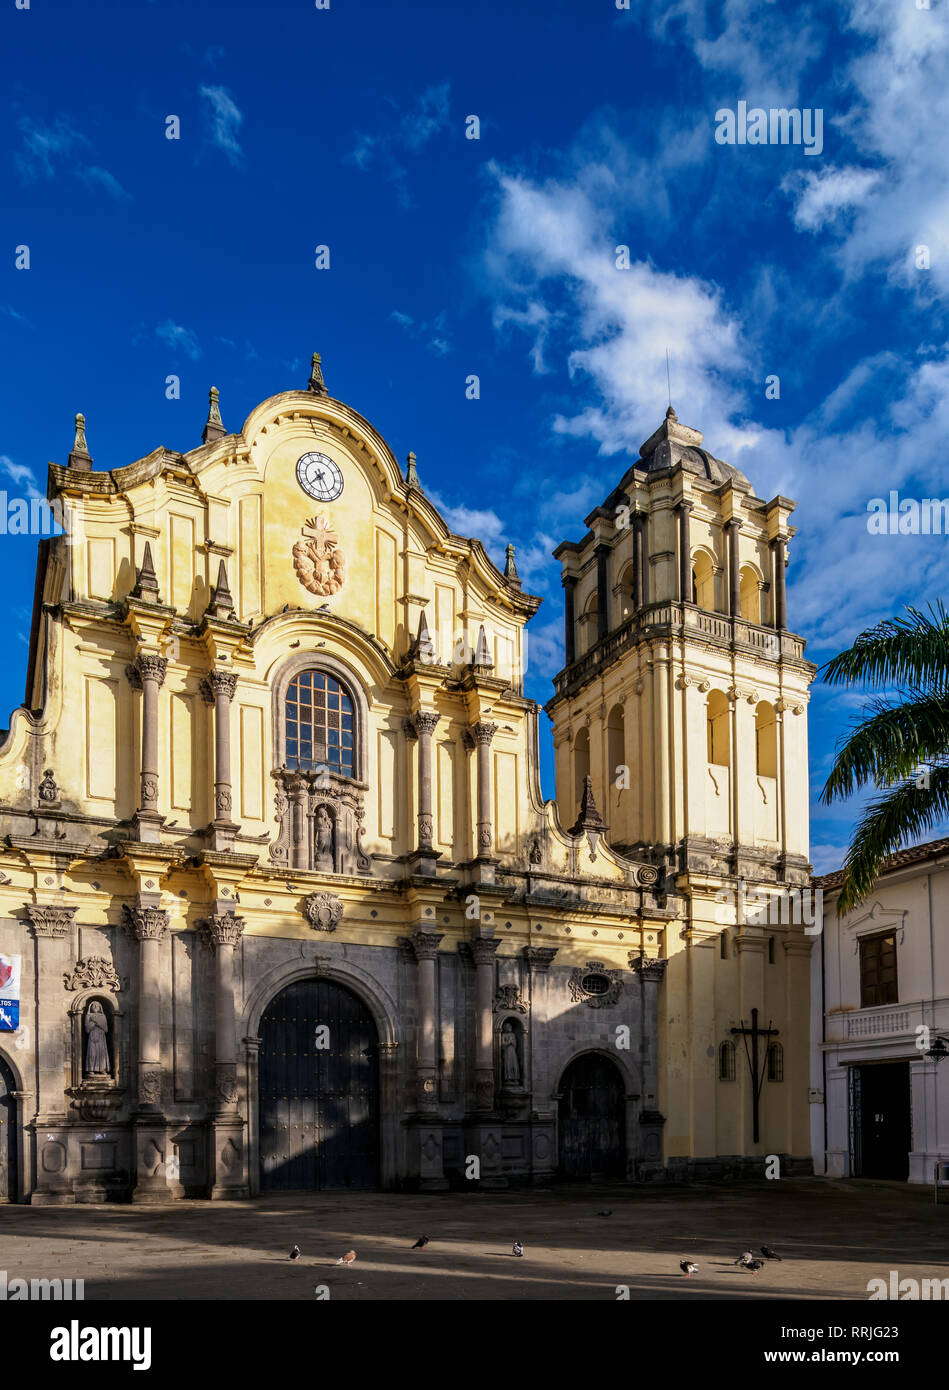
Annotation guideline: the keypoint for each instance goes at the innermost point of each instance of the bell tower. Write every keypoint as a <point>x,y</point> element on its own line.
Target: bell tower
<point>684,698</point>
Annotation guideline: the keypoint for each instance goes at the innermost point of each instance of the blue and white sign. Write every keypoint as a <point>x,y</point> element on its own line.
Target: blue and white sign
<point>9,993</point>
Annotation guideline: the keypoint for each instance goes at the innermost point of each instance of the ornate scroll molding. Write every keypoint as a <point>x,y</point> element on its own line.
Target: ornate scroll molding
<point>95,972</point>
<point>540,957</point>
<point>683,682</point>
<point>596,1001</point>
<point>737,692</point>
<point>509,998</point>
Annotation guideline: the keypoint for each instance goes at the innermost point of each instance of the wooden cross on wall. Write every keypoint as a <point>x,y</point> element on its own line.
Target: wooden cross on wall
<point>757,1072</point>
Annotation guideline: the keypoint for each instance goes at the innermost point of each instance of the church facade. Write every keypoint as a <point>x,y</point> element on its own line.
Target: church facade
<point>281,904</point>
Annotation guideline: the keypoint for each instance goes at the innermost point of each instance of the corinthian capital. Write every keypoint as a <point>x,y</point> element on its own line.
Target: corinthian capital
<point>145,923</point>
<point>483,949</point>
<point>425,722</point>
<point>425,944</point>
<point>224,929</point>
<point>218,683</point>
<point>50,921</point>
<point>151,667</point>
<point>484,733</point>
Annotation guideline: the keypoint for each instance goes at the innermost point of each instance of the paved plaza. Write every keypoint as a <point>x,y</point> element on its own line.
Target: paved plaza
<point>833,1237</point>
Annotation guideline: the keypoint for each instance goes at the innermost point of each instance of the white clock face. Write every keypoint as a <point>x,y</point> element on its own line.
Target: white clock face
<point>320,477</point>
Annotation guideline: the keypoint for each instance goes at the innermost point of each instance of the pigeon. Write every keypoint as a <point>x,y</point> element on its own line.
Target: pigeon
<point>755,1265</point>
<point>688,1268</point>
<point>518,1248</point>
<point>745,1258</point>
<point>608,1212</point>
<point>422,1241</point>
<point>295,1253</point>
<point>770,1254</point>
<point>348,1259</point>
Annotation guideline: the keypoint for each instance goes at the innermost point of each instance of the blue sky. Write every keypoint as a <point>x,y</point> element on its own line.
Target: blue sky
<point>496,257</point>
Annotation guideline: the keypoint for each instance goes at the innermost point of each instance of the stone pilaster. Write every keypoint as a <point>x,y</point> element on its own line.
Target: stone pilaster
<point>218,689</point>
<point>780,594</point>
<point>483,949</point>
<point>733,530</point>
<point>148,674</point>
<point>569,619</point>
<point>148,925</point>
<point>685,553</point>
<point>228,1159</point>
<point>52,928</point>
<point>428,1127</point>
<point>651,974</point>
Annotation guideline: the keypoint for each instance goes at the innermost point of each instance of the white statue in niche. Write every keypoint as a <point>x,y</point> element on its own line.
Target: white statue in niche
<point>324,840</point>
<point>510,1055</point>
<point>97,1040</point>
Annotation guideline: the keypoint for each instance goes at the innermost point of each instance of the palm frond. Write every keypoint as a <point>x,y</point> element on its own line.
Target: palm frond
<point>898,651</point>
<point>890,744</point>
<point>891,821</point>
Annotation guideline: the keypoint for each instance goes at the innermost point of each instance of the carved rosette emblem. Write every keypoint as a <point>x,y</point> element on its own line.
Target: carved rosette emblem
<point>647,875</point>
<point>319,563</point>
<point>596,985</point>
<point>323,911</point>
<point>94,973</point>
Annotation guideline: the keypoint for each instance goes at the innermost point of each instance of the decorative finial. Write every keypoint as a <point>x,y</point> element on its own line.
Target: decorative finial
<point>482,658</point>
<point>146,580</point>
<point>670,414</point>
<point>589,819</point>
<point>411,473</point>
<point>510,569</point>
<point>316,384</point>
<point>79,456</point>
<point>221,604</point>
<point>423,648</point>
<point>214,428</point>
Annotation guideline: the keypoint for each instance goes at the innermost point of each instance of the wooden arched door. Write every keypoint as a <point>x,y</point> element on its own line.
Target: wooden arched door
<point>592,1120</point>
<point>8,1135</point>
<point>318,1090</point>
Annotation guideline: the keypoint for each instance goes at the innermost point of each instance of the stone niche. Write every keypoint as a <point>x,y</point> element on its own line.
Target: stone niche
<point>321,821</point>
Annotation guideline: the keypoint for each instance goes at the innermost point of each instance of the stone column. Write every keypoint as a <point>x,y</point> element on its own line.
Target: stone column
<point>780,599</point>
<point>602,591</point>
<point>543,1158</point>
<point>425,723</point>
<point>299,790</point>
<point>651,973</point>
<point>428,1132</point>
<point>52,927</point>
<point>638,599</point>
<point>149,926</point>
<point>732,531</point>
<point>483,734</point>
<point>483,950</point>
<point>685,553</point>
<point>148,674</point>
<point>425,945</point>
<point>228,1166</point>
<point>218,689</point>
<point>569,619</point>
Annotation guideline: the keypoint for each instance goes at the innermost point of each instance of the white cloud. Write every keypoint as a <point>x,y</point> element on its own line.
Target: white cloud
<point>47,147</point>
<point>823,195</point>
<point>22,476</point>
<point>225,122</point>
<point>94,174</point>
<point>407,133</point>
<point>180,338</point>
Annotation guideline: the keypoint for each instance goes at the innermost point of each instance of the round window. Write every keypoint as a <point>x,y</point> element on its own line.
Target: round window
<point>595,984</point>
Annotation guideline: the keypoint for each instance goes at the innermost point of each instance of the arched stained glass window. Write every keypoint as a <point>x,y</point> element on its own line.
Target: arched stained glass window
<point>319,724</point>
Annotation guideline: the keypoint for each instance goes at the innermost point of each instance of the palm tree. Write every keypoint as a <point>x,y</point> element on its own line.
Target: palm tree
<point>900,743</point>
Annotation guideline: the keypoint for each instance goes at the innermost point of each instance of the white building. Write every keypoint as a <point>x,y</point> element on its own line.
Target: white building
<point>879,997</point>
